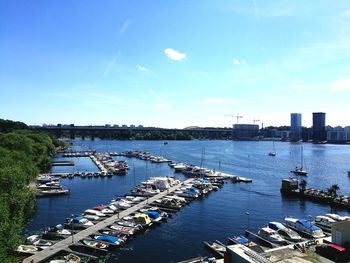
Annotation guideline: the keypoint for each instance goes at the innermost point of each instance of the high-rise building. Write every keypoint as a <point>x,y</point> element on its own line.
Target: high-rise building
<point>319,126</point>
<point>295,126</point>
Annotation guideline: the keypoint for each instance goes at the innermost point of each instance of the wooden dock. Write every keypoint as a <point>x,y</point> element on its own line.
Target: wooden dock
<point>63,245</point>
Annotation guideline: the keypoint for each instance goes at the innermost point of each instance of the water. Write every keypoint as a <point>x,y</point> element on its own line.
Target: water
<point>219,215</point>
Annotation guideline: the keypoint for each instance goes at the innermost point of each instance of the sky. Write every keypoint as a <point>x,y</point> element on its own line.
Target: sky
<point>176,63</point>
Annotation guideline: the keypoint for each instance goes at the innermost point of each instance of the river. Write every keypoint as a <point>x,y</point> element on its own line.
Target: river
<point>217,216</point>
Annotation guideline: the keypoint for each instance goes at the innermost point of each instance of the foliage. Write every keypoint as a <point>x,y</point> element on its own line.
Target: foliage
<point>302,185</point>
<point>23,153</point>
<point>333,190</point>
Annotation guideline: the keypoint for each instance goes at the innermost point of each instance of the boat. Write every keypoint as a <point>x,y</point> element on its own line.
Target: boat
<point>103,209</point>
<point>324,222</point>
<point>246,242</point>
<point>154,216</point>
<point>216,247</point>
<point>109,239</point>
<point>273,152</point>
<point>94,212</point>
<point>52,192</point>
<point>56,232</point>
<point>39,243</point>
<point>299,170</point>
<point>94,244</point>
<point>285,232</point>
<point>78,222</point>
<point>143,220</point>
<point>123,229</point>
<point>304,226</point>
<point>337,217</point>
<point>27,249</point>
<point>72,258</point>
<point>271,235</point>
<point>239,179</point>
<point>132,224</point>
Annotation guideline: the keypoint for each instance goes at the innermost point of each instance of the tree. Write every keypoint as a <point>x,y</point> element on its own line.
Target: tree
<point>333,190</point>
<point>302,185</point>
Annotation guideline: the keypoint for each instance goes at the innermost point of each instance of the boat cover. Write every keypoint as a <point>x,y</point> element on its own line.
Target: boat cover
<point>241,239</point>
<point>308,224</point>
<point>78,218</point>
<point>109,239</point>
<point>153,214</point>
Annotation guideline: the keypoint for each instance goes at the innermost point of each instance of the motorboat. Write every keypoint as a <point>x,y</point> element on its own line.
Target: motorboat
<point>337,217</point>
<point>36,241</point>
<point>94,212</point>
<point>95,244</point>
<point>217,247</point>
<point>56,232</point>
<point>154,216</point>
<point>109,239</point>
<point>324,222</point>
<point>72,258</point>
<point>78,222</point>
<point>304,226</point>
<point>122,204</point>
<point>285,232</point>
<point>132,224</point>
<point>27,249</point>
<point>246,242</point>
<point>271,235</point>
<point>103,209</point>
<point>143,220</point>
<point>123,229</point>
<point>92,217</point>
<point>180,167</point>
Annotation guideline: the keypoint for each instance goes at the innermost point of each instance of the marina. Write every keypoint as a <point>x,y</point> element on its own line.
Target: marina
<point>204,217</point>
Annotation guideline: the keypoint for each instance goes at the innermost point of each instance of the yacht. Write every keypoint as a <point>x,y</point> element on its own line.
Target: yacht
<point>78,222</point>
<point>271,235</point>
<point>285,232</point>
<point>304,226</point>
<point>94,212</point>
<point>337,217</point>
<point>324,222</point>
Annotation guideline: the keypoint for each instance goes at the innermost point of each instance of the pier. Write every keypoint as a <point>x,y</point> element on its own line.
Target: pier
<point>40,256</point>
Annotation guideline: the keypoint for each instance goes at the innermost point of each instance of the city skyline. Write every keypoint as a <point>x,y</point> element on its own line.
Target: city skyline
<point>173,66</point>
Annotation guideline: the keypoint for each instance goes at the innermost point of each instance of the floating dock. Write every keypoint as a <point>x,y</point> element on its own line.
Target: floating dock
<point>43,255</point>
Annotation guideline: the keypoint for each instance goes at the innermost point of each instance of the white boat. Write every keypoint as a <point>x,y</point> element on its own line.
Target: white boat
<point>36,241</point>
<point>304,226</point>
<point>285,232</point>
<point>94,212</point>
<point>27,249</point>
<point>78,222</point>
<point>92,217</point>
<point>122,204</point>
<point>180,167</point>
<point>324,222</point>
<point>337,217</point>
<point>271,235</point>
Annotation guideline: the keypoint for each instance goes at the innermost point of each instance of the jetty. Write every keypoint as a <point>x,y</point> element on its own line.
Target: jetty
<point>290,187</point>
<point>64,244</point>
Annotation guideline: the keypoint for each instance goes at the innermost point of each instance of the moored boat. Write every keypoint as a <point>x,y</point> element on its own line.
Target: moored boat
<point>271,235</point>
<point>304,226</point>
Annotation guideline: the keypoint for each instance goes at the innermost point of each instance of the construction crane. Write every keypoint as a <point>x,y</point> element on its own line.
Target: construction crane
<point>253,120</point>
<point>235,116</point>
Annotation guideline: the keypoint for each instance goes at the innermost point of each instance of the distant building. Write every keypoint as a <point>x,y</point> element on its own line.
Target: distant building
<point>319,126</point>
<point>295,127</point>
<point>245,131</point>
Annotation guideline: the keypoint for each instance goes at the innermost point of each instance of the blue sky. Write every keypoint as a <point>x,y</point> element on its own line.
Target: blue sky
<point>174,63</point>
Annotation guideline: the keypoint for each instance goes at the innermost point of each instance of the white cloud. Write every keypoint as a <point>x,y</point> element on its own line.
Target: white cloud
<point>341,84</point>
<point>215,100</point>
<point>124,27</point>
<point>141,68</point>
<point>236,61</point>
<point>110,65</point>
<point>151,90</point>
<point>174,54</point>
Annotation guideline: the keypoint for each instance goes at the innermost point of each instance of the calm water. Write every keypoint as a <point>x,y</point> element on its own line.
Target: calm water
<point>219,215</point>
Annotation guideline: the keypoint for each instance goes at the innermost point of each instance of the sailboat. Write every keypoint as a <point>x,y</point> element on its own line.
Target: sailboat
<point>299,170</point>
<point>273,153</point>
